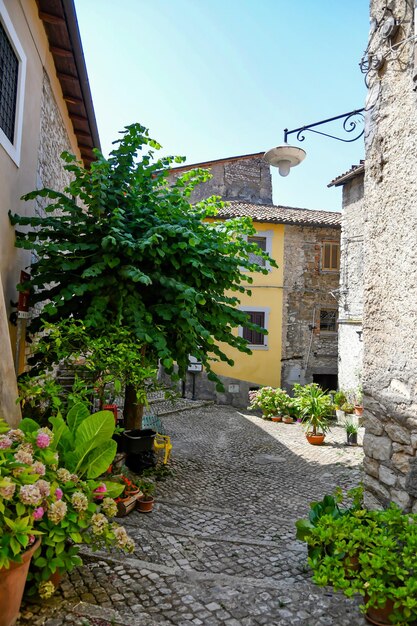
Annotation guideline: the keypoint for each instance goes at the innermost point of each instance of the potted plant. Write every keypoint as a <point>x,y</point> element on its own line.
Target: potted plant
<point>351,433</point>
<point>358,402</point>
<point>126,501</point>
<point>265,400</point>
<point>372,553</point>
<point>348,408</point>
<point>339,399</point>
<point>145,502</point>
<point>315,407</point>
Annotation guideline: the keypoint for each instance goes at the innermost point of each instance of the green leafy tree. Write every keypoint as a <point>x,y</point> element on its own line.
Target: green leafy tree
<point>123,245</point>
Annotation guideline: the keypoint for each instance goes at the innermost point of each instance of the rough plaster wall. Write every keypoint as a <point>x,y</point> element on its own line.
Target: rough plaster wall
<point>243,179</point>
<point>390,297</point>
<point>351,286</point>
<point>306,351</point>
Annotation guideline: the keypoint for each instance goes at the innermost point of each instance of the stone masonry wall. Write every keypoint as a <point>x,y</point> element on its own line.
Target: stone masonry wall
<point>53,140</point>
<point>306,351</point>
<point>351,286</point>
<point>240,179</point>
<point>390,296</point>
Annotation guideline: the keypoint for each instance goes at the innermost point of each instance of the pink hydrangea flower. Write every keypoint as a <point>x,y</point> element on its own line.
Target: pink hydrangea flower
<point>38,513</point>
<point>31,539</point>
<point>100,491</point>
<point>5,442</point>
<point>43,440</point>
<point>59,493</point>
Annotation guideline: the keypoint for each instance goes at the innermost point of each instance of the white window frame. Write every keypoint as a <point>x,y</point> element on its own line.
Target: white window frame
<point>268,234</point>
<point>256,309</point>
<point>13,149</point>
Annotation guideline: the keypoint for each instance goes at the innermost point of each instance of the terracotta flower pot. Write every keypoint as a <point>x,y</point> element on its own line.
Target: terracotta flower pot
<point>288,420</point>
<point>276,418</point>
<point>12,584</point>
<point>315,440</point>
<point>358,410</point>
<point>380,615</point>
<point>145,505</point>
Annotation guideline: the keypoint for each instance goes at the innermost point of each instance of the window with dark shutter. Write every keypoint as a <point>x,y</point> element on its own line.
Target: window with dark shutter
<point>9,70</point>
<point>253,337</point>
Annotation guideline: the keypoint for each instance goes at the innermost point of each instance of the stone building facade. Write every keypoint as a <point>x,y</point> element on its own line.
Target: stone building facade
<point>350,295</point>
<point>48,110</point>
<point>309,328</point>
<point>245,177</point>
<point>390,277</point>
<point>298,299</point>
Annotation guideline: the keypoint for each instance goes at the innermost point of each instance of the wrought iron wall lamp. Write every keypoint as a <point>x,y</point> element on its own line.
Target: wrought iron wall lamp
<point>285,157</point>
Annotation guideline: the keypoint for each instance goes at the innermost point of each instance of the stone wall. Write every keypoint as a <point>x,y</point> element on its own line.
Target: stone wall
<point>53,140</point>
<point>306,352</point>
<point>243,178</point>
<point>351,286</point>
<point>390,295</point>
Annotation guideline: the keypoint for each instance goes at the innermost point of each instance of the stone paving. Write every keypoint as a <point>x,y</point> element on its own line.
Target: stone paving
<point>219,547</point>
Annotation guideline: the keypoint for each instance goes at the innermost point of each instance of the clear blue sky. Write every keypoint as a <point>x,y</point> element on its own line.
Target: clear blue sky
<point>218,78</point>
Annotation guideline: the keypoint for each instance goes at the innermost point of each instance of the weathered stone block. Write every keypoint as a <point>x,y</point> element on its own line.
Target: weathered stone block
<point>414,509</point>
<point>387,476</point>
<point>399,447</point>
<point>371,466</point>
<point>377,447</point>
<point>401,498</point>
<point>374,486</point>
<point>397,432</point>
<point>401,461</point>
<point>371,502</point>
<point>411,480</point>
<point>373,425</point>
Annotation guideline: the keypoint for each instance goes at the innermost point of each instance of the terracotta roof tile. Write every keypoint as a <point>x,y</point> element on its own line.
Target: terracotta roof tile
<point>274,214</point>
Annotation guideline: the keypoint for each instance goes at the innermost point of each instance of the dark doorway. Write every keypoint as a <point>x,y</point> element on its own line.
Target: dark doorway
<point>328,382</point>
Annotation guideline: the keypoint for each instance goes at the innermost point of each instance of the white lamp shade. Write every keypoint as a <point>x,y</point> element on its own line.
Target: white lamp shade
<point>284,157</point>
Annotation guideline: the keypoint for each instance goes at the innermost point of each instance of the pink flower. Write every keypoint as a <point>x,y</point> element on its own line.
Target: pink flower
<point>58,493</point>
<point>31,539</point>
<point>5,442</point>
<point>43,440</point>
<point>38,513</point>
<point>100,491</point>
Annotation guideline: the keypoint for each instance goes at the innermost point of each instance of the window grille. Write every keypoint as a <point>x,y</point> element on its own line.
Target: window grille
<point>9,69</point>
<point>252,336</point>
<point>328,320</point>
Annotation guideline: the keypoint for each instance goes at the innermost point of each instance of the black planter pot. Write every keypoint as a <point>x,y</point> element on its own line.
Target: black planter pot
<point>352,439</point>
<point>120,440</point>
<point>138,441</point>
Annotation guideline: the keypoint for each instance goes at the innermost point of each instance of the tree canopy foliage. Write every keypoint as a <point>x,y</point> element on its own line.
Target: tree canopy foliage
<point>122,245</point>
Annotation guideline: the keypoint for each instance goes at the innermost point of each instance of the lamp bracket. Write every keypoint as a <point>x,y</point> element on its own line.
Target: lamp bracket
<point>349,126</point>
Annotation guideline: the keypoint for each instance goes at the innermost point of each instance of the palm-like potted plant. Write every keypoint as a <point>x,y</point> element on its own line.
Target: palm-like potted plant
<point>351,433</point>
<point>315,408</point>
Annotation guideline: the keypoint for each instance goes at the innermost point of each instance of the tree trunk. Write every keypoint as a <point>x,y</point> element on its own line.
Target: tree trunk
<point>132,411</point>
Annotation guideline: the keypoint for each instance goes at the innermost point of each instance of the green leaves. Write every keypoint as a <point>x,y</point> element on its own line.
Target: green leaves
<point>95,430</point>
<point>133,249</point>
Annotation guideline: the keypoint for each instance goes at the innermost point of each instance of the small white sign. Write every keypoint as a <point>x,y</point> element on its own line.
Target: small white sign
<point>23,315</point>
<point>234,388</point>
<point>195,367</point>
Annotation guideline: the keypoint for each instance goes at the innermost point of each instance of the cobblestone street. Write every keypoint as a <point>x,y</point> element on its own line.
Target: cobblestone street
<point>219,547</point>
